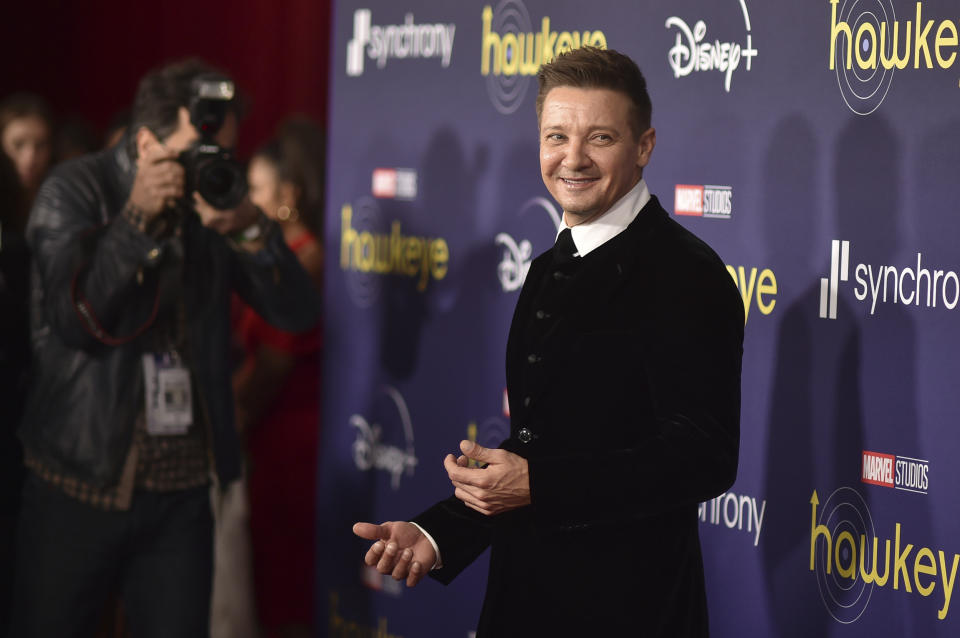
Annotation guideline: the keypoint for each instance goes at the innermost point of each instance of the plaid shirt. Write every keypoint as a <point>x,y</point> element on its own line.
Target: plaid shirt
<point>154,463</point>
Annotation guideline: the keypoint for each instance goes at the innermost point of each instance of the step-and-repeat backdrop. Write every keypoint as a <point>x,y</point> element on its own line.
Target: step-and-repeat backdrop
<point>815,145</point>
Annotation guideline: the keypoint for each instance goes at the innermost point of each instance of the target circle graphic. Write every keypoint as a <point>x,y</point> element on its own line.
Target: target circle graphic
<point>364,287</point>
<point>864,90</point>
<point>845,511</point>
<point>508,91</point>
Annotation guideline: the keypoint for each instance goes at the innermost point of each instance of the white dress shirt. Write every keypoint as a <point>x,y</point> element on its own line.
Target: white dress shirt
<point>598,231</point>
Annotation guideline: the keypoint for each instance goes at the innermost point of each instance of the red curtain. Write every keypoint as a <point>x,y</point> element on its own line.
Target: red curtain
<point>86,57</point>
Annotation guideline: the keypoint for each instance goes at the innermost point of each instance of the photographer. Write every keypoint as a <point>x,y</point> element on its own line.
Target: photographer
<point>136,251</point>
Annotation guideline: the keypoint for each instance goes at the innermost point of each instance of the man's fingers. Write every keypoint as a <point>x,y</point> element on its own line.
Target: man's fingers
<point>159,153</point>
<point>389,559</point>
<point>372,557</point>
<point>471,501</point>
<point>416,573</point>
<point>402,567</point>
<point>482,510</point>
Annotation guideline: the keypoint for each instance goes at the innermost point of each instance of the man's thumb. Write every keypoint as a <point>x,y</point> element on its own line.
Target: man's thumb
<point>474,451</point>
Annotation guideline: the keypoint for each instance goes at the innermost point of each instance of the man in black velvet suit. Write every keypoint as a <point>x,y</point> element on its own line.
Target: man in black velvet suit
<point>623,376</point>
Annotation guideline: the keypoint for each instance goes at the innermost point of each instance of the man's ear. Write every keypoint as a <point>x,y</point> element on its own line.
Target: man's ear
<point>648,139</point>
<point>145,141</point>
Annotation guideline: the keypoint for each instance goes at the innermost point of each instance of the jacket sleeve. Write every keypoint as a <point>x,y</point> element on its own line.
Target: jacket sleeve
<point>274,283</point>
<point>88,269</point>
<point>693,338</point>
<point>461,535</point>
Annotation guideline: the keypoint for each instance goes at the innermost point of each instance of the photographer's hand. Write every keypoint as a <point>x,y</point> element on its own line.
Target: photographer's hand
<point>156,187</point>
<point>226,222</point>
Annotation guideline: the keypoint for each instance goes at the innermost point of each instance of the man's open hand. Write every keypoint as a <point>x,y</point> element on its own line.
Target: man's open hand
<point>400,550</point>
<point>503,485</point>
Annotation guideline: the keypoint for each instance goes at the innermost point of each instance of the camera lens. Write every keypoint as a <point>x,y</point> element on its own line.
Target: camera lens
<point>221,182</point>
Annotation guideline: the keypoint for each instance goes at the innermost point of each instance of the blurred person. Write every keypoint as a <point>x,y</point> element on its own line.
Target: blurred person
<point>26,135</point>
<point>277,392</point>
<point>14,364</point>
<point>129,415</point>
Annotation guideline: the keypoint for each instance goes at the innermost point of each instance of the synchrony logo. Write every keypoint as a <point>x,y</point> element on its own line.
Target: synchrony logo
<point>743,513</point>
<point>396,41</point>
<point>692,52</point>
<point>881,284</point>
<point>899,472</point>
<point>371,452</point>
<point>511,52</point>
<point>850,560</point>
<point>517,255</point>
<point>868,42</point>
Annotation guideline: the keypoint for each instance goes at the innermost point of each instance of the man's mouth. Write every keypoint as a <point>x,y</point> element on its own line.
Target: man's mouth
<point>578,181</point>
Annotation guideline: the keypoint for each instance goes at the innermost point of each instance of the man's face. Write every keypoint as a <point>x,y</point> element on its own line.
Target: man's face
<point>589,156</point>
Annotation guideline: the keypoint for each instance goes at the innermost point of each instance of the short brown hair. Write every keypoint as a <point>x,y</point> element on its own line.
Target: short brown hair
<point>593,68</point>
<point>21,105</point>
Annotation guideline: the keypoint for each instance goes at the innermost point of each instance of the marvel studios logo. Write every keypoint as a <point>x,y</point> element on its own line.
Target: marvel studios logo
<point>394,183</point>
<point>703,201</point>
<point>898,472</point>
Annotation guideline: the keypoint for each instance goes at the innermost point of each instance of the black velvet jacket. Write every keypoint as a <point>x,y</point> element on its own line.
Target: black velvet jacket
<point>97,281</point>
<point>623,375</point>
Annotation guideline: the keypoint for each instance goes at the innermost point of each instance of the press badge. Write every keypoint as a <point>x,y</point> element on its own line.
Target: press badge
<point>169,400</point>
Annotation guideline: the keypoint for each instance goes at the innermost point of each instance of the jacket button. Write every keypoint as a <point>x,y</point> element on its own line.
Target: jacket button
<point>526,401</point>
<point>542,315</point>
<point>525,435</point>
<point>532,358</point>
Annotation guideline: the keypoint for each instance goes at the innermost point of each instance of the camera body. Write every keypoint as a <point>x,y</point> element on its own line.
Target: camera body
<point>210,169</point>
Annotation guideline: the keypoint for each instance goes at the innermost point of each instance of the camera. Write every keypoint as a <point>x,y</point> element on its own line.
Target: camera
<point>211,170</point>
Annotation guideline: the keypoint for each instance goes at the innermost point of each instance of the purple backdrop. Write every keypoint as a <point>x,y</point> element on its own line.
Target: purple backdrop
<point>826,180</point>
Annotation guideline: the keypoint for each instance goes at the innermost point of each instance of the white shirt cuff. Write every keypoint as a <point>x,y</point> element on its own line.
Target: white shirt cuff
<point>436,548</point>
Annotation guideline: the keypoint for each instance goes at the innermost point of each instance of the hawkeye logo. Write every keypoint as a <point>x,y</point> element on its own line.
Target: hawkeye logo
<point>898,472</point>
<point>887,284</point>
<point>845,554</point>
<point>760,290</point>
<point>693,53</point>
<point>368,254</point>
<point>510,49</point>
<point>703,201</point>
<point>397,41</point>
<point>868,43</point>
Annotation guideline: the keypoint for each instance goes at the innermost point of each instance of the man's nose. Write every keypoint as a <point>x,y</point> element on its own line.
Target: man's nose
<point>576,156</point>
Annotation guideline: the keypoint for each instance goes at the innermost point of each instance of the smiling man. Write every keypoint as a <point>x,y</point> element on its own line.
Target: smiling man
<point>623,375</point>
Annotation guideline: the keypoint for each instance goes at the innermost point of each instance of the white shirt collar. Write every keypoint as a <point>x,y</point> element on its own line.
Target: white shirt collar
<point>595,233</point>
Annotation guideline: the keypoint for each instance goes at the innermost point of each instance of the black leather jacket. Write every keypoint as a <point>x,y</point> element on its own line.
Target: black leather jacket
<point>97,281</point>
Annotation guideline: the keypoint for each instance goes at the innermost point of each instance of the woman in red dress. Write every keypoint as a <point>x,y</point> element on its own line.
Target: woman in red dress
<point>277,390</point>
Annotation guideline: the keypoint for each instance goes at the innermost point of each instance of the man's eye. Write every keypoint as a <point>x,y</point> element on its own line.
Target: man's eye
<point>603,137</point>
